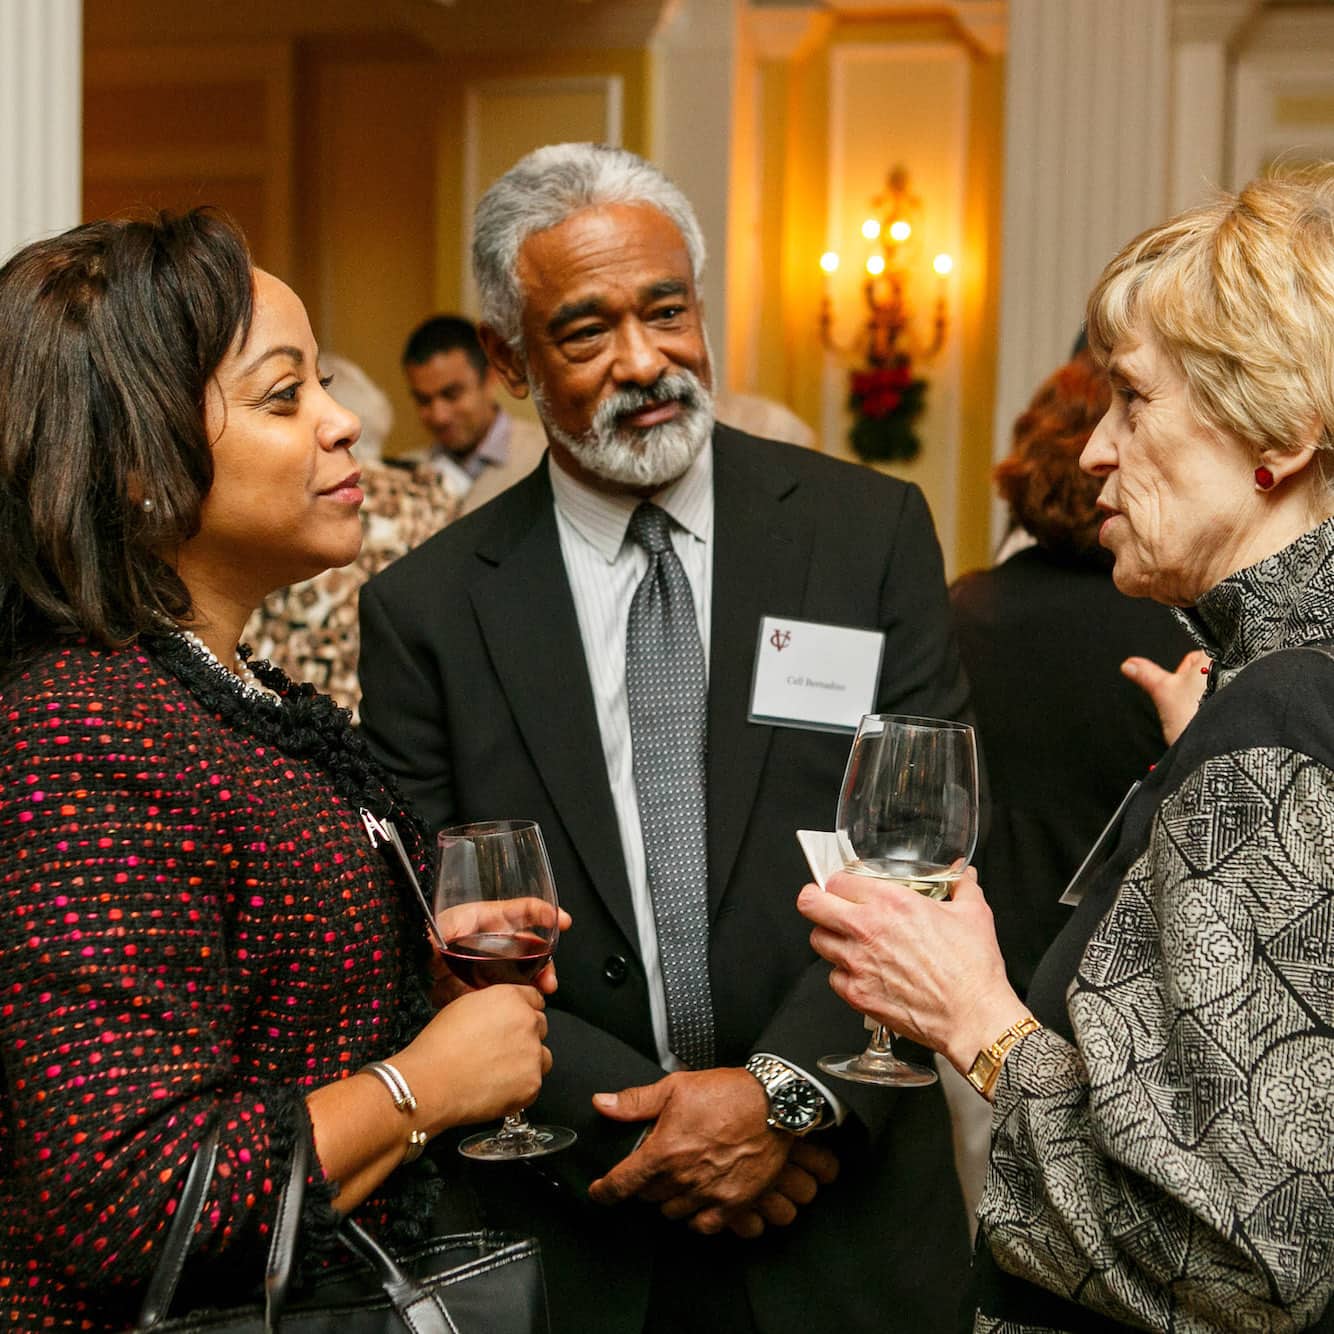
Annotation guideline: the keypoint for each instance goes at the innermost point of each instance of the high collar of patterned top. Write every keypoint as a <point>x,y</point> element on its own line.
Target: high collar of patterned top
<point>1283,601</point>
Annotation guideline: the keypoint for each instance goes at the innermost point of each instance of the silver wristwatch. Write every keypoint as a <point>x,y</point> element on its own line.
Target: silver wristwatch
<point>795,1104</point>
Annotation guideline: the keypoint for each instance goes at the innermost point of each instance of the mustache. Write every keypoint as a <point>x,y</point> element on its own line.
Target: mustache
<point>675,387</point>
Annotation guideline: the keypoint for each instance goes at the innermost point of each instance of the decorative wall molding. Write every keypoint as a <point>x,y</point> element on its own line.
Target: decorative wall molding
<point>41,99</point>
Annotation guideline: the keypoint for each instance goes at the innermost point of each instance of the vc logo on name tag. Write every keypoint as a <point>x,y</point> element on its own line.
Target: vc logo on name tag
<point>813,675</point>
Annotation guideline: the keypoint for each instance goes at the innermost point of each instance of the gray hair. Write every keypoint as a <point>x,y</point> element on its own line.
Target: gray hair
<point>540,191</point>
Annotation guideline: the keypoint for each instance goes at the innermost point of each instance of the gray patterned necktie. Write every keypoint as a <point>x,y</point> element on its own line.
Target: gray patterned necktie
<point>668,696</point>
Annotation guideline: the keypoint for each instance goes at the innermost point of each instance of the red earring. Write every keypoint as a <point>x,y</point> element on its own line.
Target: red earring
<point>1264,479</point>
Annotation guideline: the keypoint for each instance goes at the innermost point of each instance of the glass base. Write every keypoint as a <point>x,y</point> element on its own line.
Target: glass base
<point>506,1145</point>
<point>871,1067</point>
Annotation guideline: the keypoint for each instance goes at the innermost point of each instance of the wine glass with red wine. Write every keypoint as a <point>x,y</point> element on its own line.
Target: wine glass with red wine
<point>496,911</point>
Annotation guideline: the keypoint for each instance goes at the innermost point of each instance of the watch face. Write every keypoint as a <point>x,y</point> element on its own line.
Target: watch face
<point>797,1105</point>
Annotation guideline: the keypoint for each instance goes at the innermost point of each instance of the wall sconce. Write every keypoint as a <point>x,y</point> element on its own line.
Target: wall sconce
<point>889,271</point>
<point>887,397</point>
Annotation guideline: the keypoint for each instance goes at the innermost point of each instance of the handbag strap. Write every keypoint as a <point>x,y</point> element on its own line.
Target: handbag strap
<point>282,1249</point>
<point>420,1311</point>
<point>278,1271</point>
<point>167,1273</point>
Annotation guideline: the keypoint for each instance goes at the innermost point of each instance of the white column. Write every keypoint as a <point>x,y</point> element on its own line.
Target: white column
<point>41,107</point>
<point>694,73</point>
<point>1086,154</point>
<point>1203,31</point>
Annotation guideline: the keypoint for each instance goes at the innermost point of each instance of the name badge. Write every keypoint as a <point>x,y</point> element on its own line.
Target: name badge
<point>1079,882</point>
<point>817,676</point>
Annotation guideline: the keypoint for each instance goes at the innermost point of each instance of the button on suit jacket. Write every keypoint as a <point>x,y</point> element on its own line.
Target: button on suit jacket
<point>476,695</point>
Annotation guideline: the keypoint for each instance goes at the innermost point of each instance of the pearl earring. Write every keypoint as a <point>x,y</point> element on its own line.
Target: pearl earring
<point>146,504</point>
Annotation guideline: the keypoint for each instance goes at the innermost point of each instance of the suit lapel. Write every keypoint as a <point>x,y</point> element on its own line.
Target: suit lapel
<point>526,614</point>
<point>760,562</point>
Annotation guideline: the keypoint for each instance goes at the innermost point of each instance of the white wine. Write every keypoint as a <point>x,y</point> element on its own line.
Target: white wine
<point>929,878</point>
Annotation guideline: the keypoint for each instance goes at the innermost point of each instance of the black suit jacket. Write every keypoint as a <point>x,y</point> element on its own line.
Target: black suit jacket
<point>476,694</point>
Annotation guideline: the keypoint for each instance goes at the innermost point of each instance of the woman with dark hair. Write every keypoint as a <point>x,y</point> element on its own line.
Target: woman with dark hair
<point>1043,636</point>
<point>197,929</point>
<point>1162,1125</point>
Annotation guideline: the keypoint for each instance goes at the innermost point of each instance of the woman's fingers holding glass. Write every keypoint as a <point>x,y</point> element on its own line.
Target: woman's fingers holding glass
<point>502,916</point>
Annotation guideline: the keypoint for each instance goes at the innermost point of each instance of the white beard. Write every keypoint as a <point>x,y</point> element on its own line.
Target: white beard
<point>640,458</point>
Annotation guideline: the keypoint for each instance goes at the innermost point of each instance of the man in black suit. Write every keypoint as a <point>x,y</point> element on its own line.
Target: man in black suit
<point>500,679</point>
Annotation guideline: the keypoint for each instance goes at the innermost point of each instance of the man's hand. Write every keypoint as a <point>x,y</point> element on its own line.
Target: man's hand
<point>710,1156</point>
<point>809,1166</point>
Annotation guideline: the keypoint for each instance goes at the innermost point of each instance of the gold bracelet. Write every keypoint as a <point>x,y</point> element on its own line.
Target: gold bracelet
<point>392,1078</point>
<point>986,1067</point>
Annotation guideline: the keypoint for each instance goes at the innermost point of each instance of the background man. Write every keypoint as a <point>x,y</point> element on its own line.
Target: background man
<point>575,655</point>
<point>477,447</point>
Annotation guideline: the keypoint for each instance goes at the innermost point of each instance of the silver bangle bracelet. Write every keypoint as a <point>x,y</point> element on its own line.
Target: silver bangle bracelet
<point>392,1078</point>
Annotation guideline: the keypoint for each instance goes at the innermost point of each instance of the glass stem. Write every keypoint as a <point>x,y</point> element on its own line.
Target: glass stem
<point>880,1042</point>
<point>516,1126</point>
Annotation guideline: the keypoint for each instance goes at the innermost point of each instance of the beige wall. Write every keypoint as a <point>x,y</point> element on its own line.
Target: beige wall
<point>342,152</point>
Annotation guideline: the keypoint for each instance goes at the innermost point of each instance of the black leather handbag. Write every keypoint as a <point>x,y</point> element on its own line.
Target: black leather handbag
<point>463,1283</point>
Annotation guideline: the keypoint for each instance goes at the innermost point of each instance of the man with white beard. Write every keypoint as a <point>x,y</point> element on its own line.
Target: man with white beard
<point>596,649</point>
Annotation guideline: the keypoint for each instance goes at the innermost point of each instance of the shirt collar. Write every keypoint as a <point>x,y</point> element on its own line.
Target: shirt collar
<point>602,519</point>
<point>492,450</point>
<point>1285,600</point>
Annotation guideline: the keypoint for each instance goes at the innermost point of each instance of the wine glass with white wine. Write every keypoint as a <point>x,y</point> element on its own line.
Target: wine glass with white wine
<point>907,812</point>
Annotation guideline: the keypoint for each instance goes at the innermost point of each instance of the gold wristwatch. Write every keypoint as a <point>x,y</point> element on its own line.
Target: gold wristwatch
<point>986,1066</point>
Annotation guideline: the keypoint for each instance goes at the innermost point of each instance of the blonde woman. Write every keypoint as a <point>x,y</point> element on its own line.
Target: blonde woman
<point>1162,1152</point>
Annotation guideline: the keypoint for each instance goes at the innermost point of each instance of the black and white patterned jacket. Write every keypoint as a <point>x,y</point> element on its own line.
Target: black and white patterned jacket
<point>1163,1152</point>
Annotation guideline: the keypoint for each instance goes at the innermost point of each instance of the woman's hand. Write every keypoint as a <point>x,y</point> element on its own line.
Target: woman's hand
<point>1176,695</point>
<point>927,969</point>
<point>445,987</point>
<point>480,1057</point>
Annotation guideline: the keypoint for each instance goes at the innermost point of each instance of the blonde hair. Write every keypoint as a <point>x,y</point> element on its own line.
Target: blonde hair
<point>1239,294</point>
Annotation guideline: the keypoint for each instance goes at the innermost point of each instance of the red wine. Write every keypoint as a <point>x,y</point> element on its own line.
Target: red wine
<point>487,957</point>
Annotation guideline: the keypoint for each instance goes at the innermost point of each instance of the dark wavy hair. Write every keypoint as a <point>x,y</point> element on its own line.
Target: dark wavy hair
<point>1040,478</point>
<point>109,337</point>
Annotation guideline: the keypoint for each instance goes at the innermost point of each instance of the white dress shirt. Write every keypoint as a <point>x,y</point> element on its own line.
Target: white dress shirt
<point>604,569</point>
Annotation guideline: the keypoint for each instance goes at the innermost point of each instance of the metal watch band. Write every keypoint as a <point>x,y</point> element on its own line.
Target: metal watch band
<point>986,1067</point>
<point>773,1074</point>
<point>768,1069</point>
